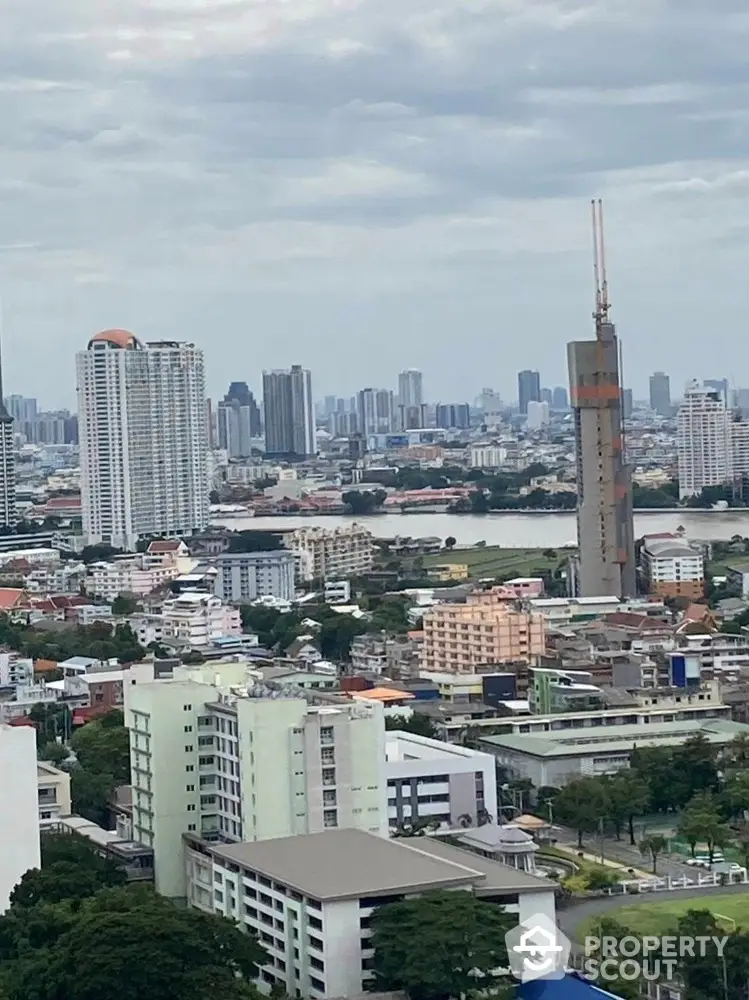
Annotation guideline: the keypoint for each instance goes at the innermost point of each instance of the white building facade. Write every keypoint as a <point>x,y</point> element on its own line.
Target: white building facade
<point>703,441</point>
<point>246,576</point>
<point>210,759</point>
<point>19,808</point>
<point>196,619</point>
<point>429,781</point>
<point>332,554</point>
<point>143,439</point>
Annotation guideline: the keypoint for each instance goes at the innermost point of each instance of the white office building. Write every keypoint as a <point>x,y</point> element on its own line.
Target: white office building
<point>143,439</point>
<point>247,576</point>
<point>215,753</point>
<point>19,808</point>
<point>429,781</point>
<point>310,900</point>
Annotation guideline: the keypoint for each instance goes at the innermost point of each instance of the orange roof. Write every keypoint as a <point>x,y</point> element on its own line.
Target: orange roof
<point>385,694</point>
<point>44,666</point>
<point>416,634</point>
<point>117,338</point>
<point>10,597</point>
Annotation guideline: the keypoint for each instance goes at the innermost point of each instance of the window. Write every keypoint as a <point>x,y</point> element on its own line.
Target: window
<point>189,788</point>
<point>187,708</point>
<point>189,768</point>
<point>189,749</point>
<point>188,729</point>
<point>190,827</point>
<point>330,817</point>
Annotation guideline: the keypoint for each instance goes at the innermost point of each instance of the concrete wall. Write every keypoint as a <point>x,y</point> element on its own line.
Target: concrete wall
<point>19,808</point>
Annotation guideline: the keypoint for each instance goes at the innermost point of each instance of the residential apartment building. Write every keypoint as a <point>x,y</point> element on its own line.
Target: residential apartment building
<point>216,754</point>
<point>660,394</point>
<point>143,439</point>
<point>332,554</point>
<point>703,441</point>
<point>139,574</point>
<point>19,806</point>
<point>54,794</point>
<point>671,566</point>
<point>246,576</point>
<point>460,637</point>
<point>289,418</point>
<point>310,899</point>
<point>375,411</point>
<point>15,670</point>
<point>8,510</point>
<point>196,619</point>
<point>488,456</point>
<point>435,782</point>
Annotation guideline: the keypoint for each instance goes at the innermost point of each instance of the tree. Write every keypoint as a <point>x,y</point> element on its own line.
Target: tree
<point>582,804</point>
<point>440,945</point>
<point>336,635</point>
<point>53,752</point>
<point>701,820</point>
<point>98,553</point>
<point>653,845</point>
<point>90,793</point>
<point>102,746</point>
<point>255,541</point>
<point>167,952</point>
<point>363,501</point>
<point>124,604</point>
<point>419,724</point>
<point>628,795</point>
<point>450,542</point>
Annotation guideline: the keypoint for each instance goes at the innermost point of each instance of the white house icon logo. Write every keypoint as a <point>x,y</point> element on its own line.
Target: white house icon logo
<point>537,949</point>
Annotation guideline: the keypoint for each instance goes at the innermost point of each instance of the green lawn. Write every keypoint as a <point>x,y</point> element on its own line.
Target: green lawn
<point>661,918</point>
<point>495,560</point>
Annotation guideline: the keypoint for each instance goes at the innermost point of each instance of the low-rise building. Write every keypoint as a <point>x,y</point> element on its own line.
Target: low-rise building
<point>310,899</point>
<point>460,637</point>
<point>671,566</point>
<point>447,571</point>
<point>435,782</point>
<point>556,756</point>
<point>15,670</point>
<point>19,808</point>
<point>139,574</point>
<point>54,794</point>
<point>337,592</point>
<point>553,691</point>
<point>243,577</point>
<point>196,619</point>
<point>333,554</point>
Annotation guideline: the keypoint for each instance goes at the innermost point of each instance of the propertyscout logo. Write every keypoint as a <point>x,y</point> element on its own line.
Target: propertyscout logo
<point>537,949</point>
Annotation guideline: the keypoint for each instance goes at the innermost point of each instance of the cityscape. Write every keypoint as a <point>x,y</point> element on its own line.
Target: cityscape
<point>374,501</point>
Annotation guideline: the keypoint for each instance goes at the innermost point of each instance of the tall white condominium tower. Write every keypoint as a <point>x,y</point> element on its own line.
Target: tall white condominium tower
<point>8,515</point>
<point>143,439</point>
<point>410,387</point>
<point>289,420</point>
<point>704,441</point>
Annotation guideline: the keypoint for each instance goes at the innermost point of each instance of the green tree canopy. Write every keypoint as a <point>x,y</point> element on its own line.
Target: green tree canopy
<point>419,724</point>
<point>102,746</point>
<point>583,805</point>
<point>441,945</point>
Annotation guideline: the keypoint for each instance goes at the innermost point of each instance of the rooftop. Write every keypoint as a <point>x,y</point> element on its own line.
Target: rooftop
<point>346,864</point>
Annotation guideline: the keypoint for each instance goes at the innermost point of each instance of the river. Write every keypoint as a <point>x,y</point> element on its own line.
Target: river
<point>552,530</point>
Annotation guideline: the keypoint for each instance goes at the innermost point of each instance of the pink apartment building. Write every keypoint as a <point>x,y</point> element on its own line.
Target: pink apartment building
<point>458,638</point>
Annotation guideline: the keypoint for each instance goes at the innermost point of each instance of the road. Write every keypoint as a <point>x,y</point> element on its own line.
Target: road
<point>622,851</point>
<point>571,918</point>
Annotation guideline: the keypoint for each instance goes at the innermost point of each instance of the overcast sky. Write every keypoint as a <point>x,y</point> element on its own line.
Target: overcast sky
<point>360,186</point>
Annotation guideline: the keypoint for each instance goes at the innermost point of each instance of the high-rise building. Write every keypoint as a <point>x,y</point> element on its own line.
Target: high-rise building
<point>410,388</point>
<point>703,441</point>
<point>547,397</point>
<point>413,417</point>
<point>210,760</point>
<point>529,389</point>
<point>19,805</point>
<point>376,411</point>
<point>453,416</point>
<point>538,415</point>
<point>559,399</point>
<point>660,393</point>
<point>238,421</point>
<point>628,404</point>
<point>142,417</point>
<point>289,420</point>
<point>719,385</point>
<point>605,528</point>
<point>8,513</point>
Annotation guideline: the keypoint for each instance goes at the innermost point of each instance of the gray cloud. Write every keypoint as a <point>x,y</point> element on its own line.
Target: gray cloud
<point>364,186</point>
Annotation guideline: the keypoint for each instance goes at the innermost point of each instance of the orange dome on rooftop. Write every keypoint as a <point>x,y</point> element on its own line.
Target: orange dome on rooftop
<point>117,338</point>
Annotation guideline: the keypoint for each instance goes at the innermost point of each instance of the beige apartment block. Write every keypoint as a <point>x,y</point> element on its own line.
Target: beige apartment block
<point>458,638</point>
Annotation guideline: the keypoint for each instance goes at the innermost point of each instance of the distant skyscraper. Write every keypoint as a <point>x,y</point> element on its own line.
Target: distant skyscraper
<point>453,416</point>
<point>375,411</point>
<point>660,393</point>
<point>8,513</point>
<point>719,385</point>
<point>703,440</point>
<point>289,423</point>
<point>529,389</point>
<point>546,397</point>
<point>628,404</point>
<point>410,388</point>
<point>142,416</point>
<point>238,418</point>
<point>560,399</point>
<point>605,530</point>
<point>538,415</point>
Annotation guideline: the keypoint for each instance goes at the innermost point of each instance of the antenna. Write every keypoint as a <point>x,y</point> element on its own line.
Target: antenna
<point>601,314</point>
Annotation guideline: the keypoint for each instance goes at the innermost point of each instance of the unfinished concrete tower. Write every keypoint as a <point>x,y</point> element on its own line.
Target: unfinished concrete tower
<point>605,531</point>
